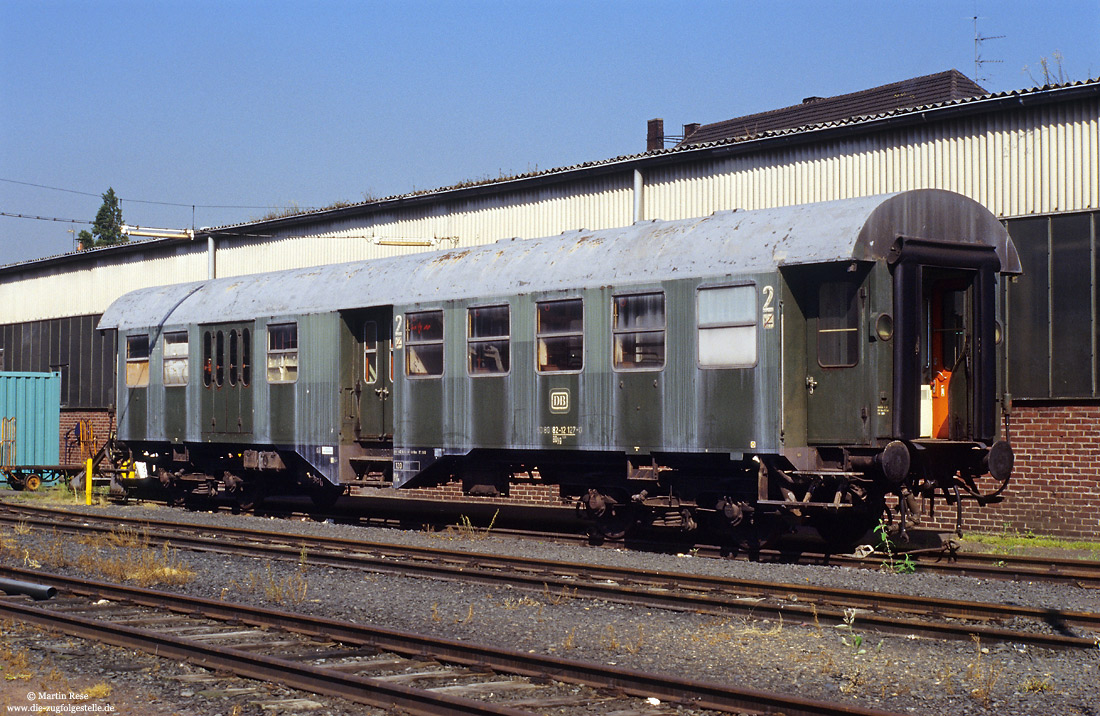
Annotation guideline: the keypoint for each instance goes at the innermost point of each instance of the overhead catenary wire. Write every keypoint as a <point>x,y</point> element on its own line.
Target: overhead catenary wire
<point>179,233</point>
<point>45,218</point>
<point>149,201</point>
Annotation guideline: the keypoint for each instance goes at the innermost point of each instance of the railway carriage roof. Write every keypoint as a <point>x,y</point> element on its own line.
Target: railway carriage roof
<point>727,243</point>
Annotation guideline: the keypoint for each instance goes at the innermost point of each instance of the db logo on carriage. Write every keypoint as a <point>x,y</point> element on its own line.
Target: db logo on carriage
<point>559,401</point>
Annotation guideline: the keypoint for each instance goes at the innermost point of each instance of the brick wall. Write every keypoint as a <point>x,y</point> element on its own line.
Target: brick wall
<point>528,491</point>
<point>103,425</point>
<point>1055,487</point>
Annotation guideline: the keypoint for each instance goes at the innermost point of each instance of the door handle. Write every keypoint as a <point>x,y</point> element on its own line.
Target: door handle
<point>811,383</point>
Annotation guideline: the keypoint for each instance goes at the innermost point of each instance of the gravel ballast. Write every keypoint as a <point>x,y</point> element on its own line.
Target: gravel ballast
<point>906,675</point>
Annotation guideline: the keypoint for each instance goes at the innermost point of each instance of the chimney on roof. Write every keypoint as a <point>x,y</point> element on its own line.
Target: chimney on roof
<point>811,100</point>
<point>655,135</point>
<point>689,129</point>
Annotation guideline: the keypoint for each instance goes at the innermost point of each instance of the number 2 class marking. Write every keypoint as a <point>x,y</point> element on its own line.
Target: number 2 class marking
<point>767,310</point>
<point>398,335</point>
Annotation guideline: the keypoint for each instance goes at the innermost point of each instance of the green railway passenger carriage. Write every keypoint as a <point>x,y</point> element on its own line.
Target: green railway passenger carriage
<point>745,369</point>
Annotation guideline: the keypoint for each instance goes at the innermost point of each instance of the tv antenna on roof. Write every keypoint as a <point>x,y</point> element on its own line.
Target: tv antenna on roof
<point>978,40</point>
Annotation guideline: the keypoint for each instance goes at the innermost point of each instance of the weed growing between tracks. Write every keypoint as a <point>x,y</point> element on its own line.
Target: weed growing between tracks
<point>892,563</point>
<point>467,619</point>
<point>122,555</point>
<point>466,530</point>
<point>1035,685</point>
<point>281,589</point>
<point>33,670</point>
<point>982,675</point>
<point>610,641</point>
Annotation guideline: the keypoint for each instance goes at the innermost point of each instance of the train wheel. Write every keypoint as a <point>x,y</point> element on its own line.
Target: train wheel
<point>33,482</point>
<point>611,518</point>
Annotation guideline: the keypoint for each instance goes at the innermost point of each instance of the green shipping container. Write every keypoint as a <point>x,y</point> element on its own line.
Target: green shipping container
<point>33,400</point>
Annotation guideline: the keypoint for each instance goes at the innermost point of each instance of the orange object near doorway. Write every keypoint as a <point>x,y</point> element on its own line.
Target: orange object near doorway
<point>940,385</point>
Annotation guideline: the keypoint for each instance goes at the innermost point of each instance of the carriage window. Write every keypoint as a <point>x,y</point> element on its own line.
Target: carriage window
<point>175,358</point>
<point>207,359</point>
<point>219,358</point>
<point>246,357</point>
<point>559,334</point>
<point>489,339</point>
<point>424,344</point>
<point>639,331</point>
<point>282,352</point>
<point>137,361</point>
<point>233,356</point>
<point>370,352</point>
<point>727,327</point>
<point>838,325</point>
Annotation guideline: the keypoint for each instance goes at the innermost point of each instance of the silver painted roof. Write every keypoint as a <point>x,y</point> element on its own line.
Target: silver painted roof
<point>725,243</point>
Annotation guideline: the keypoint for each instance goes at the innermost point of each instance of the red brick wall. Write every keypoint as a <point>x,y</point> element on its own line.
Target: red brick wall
<point>103,425</point>
<point>1055,488</point>
<point>529,491</point>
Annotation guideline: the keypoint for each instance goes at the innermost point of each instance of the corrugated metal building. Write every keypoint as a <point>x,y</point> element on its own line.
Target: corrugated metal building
<point>1030,156</point>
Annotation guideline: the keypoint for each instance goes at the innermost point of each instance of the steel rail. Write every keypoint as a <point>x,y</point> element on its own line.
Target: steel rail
<point>655,589</point>
<point>358,689</point>
<point>696,694</point>
<point>1078,572</point>
<point>1017,568</point>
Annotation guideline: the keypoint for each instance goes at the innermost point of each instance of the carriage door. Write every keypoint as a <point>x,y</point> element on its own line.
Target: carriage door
<point>836,409</point>
<point>945,318</point>
<point>947,353</point>
<point>369,384</point>
<point>226,380</point>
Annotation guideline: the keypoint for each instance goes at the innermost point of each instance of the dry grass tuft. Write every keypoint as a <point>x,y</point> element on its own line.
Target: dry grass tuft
<point>1035,685</point>
<point>467,530</point>
<point>288,589</point>
<point>982,675</point>
<point>145,566</point>
<point>99,691</point>
<point>15,664</point>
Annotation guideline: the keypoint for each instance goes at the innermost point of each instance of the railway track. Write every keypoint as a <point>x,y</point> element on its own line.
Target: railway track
<point>798,603</point>
<point>946,559</point>
<point>410,673</point>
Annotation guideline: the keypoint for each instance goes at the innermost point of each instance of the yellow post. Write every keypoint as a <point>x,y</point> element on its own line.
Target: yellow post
<point>88,482</point>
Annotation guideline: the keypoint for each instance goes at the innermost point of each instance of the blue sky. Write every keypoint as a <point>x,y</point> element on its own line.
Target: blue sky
<point>240,104</point>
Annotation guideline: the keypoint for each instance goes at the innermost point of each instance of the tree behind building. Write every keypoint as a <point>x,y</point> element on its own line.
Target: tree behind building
<point>107,227</point>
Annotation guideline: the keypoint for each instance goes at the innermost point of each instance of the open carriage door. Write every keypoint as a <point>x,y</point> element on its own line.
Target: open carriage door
<point>945,318</point>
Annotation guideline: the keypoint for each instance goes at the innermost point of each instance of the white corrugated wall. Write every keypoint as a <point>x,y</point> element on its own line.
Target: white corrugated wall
<point>1029,161</point>
<point>593,204</point>
<point>1038,160</point>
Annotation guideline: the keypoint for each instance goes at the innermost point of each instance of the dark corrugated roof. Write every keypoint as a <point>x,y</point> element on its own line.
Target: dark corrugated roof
<point>930,89</point>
